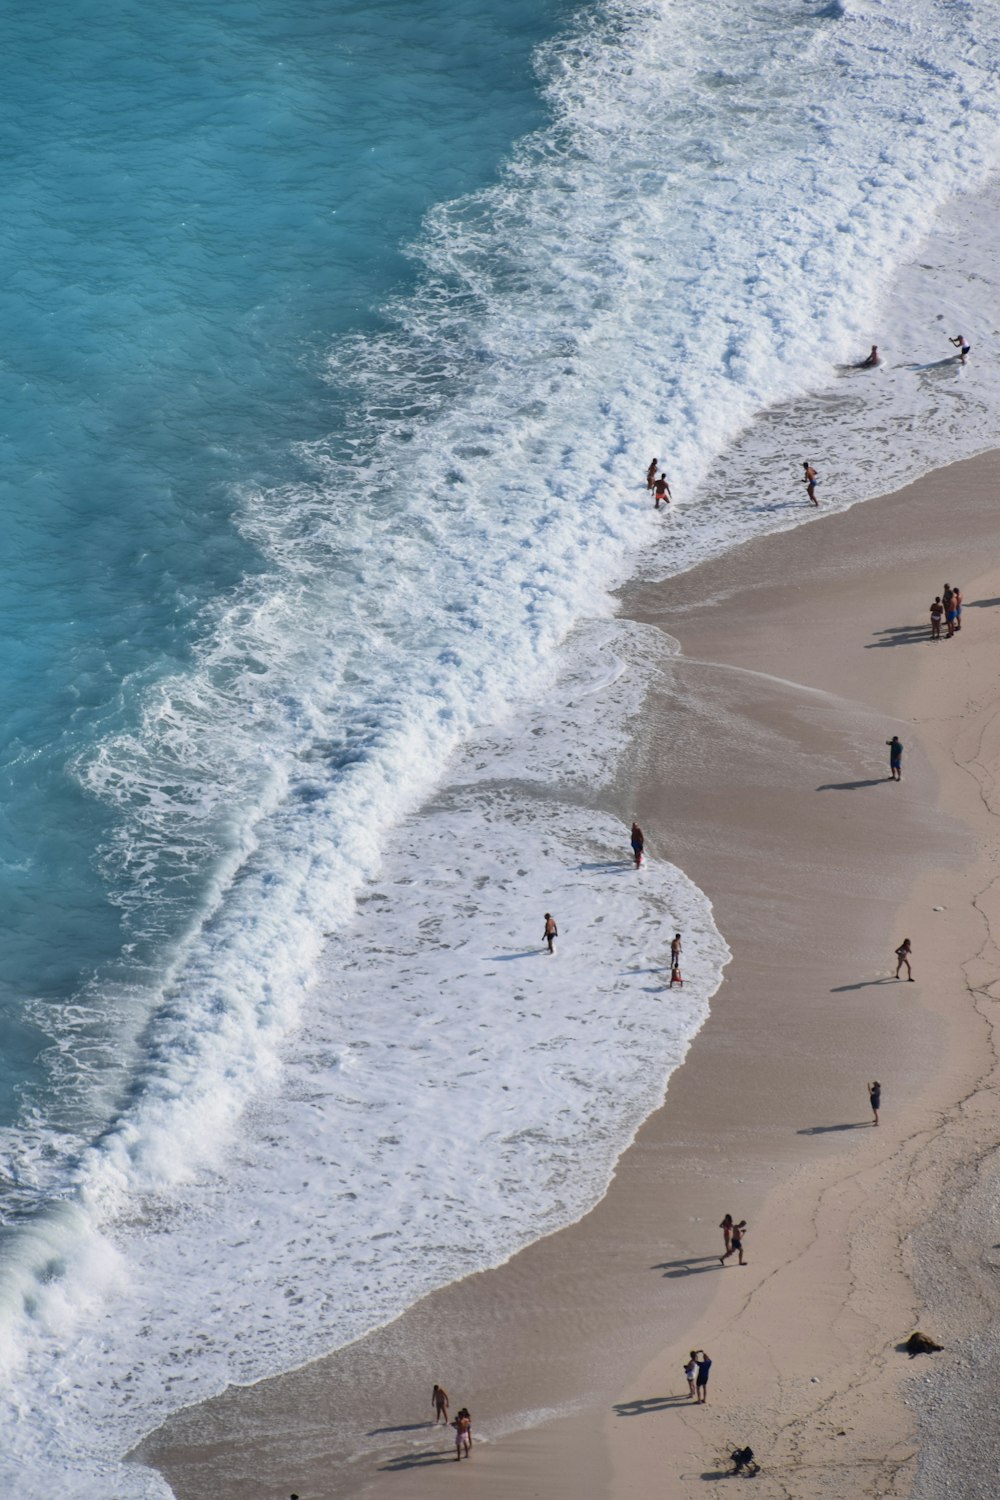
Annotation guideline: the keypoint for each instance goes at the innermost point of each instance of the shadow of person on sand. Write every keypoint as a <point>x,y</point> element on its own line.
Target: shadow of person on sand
<point>425,1460</point>
<point>852,786</point>
<point>690,1269</point>
<point>900,635</point>
<point>827,1129</point>
<point>689,1260</point>
<point>648,1404</point>
<point>981,603</point>
<point>863,984</point>
<point>506,958</point>
<point>409,1427</point>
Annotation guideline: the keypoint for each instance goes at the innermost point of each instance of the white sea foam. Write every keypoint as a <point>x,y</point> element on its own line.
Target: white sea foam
<point>715,216</point>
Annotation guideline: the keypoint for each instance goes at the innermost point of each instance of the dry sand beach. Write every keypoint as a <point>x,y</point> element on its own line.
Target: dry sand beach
<point>760,768</point>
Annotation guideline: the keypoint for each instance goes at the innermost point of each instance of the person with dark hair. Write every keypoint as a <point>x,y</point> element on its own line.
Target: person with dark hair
<point>743,1459</point>
<point>810,479</point>
<point>638,843</point>
<point>701,1384</point>
<point>651,474</point>
<point>960,344</point>
<point>463,1434</point>
<point>895,758</point>
<point>661,491</point>
<point>903,958</point>
<point>439,1401</point>
<point>872,360</point>
<point>875,1098</point>
<point>735,1243</point>
<point>937,610</point>
<point>727,1231</point>
<point>551,931</point>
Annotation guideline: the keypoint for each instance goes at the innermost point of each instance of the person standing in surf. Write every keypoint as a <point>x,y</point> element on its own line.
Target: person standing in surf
<point>661,491</point>
<point>551,931</point>
<point>439,1401</point>
<point>960,344</point>
<point>638,843</point>
<point>651,474</point>
<point>810,479</point>
<point>872,360</point>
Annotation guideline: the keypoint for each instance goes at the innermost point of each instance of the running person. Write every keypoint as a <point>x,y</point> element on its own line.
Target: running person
<point>735,1243</point>
<point>810,479</point>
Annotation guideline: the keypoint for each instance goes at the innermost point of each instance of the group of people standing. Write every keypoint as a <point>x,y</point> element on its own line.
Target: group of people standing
<point>946,606</point>
<point>657,484</point>
<point>462,1423</point>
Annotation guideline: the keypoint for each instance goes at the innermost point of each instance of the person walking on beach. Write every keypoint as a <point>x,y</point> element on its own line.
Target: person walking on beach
<point>956,599</point>
<point>948,600</point>
<point>651,474</point>
<point>903,958</point>
<point>661,491</point>
<point>810,479</point>
<point>551,931</point>
<point>895,758</point>
<point>960,344</point>
<point>937,610</point>
<point>463,1434</point>
<point>735,1243</point>
<point>875,1098</point>
<point>727,1230</point>
<point>638,843</point>
<point>689,1372</point>
<point>701,1384</point>
<point>439,1401</point>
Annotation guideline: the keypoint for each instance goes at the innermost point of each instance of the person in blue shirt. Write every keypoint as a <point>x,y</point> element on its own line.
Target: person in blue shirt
<point>895,758</point>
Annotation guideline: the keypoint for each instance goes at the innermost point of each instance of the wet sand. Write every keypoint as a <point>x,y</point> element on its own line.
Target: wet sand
<point>760,768</point>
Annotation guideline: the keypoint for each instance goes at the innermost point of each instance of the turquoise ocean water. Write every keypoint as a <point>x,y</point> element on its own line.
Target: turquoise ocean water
<point>334,342</point>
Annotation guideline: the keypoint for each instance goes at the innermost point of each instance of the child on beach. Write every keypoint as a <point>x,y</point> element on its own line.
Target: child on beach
<point>689,1371</point>
<point>903,958</point>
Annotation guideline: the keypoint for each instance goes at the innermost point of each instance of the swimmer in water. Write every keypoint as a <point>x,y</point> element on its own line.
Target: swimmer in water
<point>873,359</point>
<point>960,344</point>
<point>661,490</point>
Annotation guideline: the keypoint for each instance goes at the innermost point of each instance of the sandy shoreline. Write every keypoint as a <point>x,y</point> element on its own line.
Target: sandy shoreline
<point>759,768</point>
